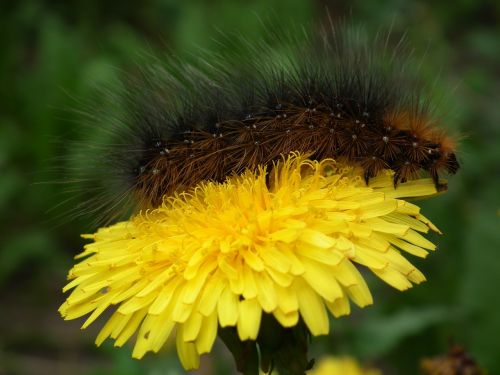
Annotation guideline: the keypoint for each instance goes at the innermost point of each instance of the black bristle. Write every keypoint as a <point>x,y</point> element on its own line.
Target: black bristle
<point>338,98</point>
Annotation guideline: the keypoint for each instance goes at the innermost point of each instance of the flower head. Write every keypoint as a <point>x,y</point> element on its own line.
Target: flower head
<point>341,366</point>
<point>284,242</point>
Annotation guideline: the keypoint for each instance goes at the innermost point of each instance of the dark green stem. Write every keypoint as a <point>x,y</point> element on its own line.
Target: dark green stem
<point>281,349</point>
<point>244,352</point>
<point>284,349</point>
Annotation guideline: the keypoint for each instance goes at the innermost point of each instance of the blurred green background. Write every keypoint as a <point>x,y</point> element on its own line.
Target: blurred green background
<point>54,53</point>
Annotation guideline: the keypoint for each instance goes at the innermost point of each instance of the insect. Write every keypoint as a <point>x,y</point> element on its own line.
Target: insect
<point>334,95</point>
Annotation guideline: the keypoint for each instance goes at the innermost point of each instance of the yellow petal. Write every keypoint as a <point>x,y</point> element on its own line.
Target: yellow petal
<point>360,230</point>
<point>287,299</point>
<point>164,297</point>
<point>378,209</point>
<point>157,281</point>
<point>266,292</point>
<point>249,284</point>
<point>419,240</point>
<point>192,327</point>
<point>322,280</point>
<point>253,260</point>
<point>181,311</point>
<point>339,307</point>
<point>281,279</point>
<point>115,323</point>
<point>194,286</point>
<point>136,303</point>
<point>410,221</point>
<point>356,287</point>
<point>103,305</point>
<point>187,352</point>
<point>381,225</point>
<point>227,308</point>
<point>413,188</point>
<point>207,334</point>
<point>286,319</point>
<point>297,268</point>
<point>330,257</point>
<point>370,258</point>
<point>275,259</point>
<point>210,296</point>
<point>287,235</point>
<point>408,247</point>
<point>312,308</point>
<point>393,278</point>
<point>131,327</point>
<point>317,239</point>
<point>161,332</point>
<point>250,314</point>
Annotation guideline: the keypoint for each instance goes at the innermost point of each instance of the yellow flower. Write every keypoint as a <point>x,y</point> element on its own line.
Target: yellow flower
<point>341,366</point>
<point>283,243</point>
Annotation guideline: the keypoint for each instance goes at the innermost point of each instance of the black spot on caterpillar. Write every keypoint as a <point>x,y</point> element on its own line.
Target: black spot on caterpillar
<point>338,94</point>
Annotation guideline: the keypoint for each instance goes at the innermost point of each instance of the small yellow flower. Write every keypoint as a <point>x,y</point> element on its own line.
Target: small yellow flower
<point>341,366</point>
<point>284,243</point>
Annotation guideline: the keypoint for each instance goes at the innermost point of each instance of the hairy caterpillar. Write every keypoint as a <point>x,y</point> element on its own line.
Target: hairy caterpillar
<point>337,95</point>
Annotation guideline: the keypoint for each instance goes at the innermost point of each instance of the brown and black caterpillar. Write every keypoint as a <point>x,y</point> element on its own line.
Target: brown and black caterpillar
<point>338,95</point>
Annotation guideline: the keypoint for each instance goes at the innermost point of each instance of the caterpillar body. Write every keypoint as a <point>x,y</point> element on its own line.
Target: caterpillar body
<point>336,96</point>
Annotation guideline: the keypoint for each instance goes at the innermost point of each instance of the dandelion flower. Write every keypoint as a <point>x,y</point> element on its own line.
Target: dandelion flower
<point>456,361</point>
<point>284,242</point>
<point>341,366</point>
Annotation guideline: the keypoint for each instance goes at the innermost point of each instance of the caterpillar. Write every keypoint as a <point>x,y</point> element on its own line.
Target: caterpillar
<point>337,94</point>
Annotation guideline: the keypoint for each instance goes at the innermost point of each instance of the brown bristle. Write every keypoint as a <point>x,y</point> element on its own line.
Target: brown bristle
<point>247,143</point>
<point>340,96</point>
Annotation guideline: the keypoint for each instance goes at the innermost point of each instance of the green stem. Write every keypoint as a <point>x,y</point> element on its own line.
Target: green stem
<point>244,352</point>
<point>284,349</point>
